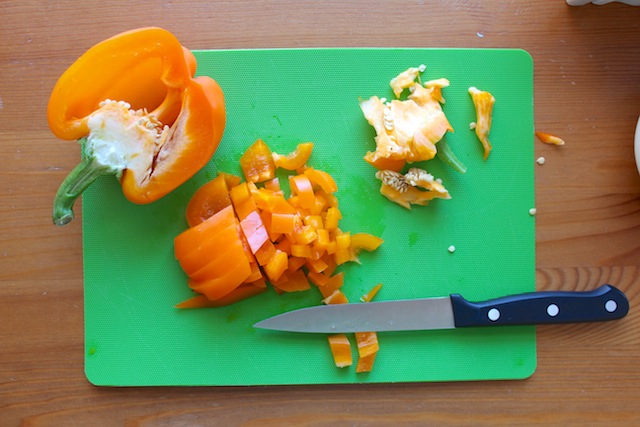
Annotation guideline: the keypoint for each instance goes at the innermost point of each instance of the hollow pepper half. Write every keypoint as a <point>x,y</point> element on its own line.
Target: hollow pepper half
<point>133,101</point>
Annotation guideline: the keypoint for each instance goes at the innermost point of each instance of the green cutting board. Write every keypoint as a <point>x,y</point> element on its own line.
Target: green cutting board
<point>135,337</point>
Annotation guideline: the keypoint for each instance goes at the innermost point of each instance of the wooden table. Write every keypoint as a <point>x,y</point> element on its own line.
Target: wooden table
<point>587,90</point>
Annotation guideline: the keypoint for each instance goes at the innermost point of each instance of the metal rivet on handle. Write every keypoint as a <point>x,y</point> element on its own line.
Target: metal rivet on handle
<point>553,310</point>
<point>611,306</point>
<point>493,314</point>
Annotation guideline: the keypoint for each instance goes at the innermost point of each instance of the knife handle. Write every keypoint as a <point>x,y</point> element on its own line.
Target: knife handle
<point>539,308</point>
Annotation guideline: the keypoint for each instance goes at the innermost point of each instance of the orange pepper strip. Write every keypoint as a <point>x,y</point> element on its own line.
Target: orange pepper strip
<point>282,222</point>
<point>295,263</point>
<point>547,138</point>
<point>292,281</point>
<point>273,185</point>
<point>372,293</point>
<point>207,200</point>
<point>341,350</point>
<point>238,294</point>
<point>384,163</point>
<point>322,240</point>
<point>333,284</point>
<point>483,102</point>
<point>216,266</point>
<point>301,251</point>
<point>368,347</point>
<point>301,186</point>
<point>191,238</point>
<point>316,265</point>
<point>232,180</point>
<point>284,245</point>
<point>337,297</point>
<point>318,279</point>
<point>277,265</point>
<point>266,251</point>
<point>255,277</point>
<point>148,70</point>
<point>296,159</point>
<point>213,248</point>
<point>343,248</point>
<point>223,285</point>
<point>368,242</point>
<point>322,179</point>
<point>242,200</point>
<point>254,231</point>
<point>332,217</point>
<point>367,343</point>
<point>363,241</point>
<point>257,163</point>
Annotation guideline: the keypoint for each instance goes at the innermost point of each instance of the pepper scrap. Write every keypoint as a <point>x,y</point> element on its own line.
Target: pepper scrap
<point>483,102</point>
<point>133,102</point>
<point>416,187</point>
<point>548,138</point>
<point>407,130</point>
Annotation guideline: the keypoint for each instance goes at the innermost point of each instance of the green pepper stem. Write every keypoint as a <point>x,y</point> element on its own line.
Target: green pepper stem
<point>446,154</point>
<point>78,180</point>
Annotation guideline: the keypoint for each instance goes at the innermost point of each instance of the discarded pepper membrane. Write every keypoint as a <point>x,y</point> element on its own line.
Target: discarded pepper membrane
<point>407,131</point>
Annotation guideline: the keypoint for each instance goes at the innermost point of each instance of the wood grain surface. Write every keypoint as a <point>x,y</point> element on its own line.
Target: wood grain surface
<point>587,90</point>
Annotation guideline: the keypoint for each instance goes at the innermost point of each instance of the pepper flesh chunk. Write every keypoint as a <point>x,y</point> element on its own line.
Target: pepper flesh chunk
<point>142,116</point>
<point>483,102</point>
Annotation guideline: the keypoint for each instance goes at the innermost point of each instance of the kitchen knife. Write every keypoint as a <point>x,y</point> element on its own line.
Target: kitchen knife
<point>534,308</point>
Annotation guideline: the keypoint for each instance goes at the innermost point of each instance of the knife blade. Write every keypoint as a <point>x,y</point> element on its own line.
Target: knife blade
<point>533,308</point>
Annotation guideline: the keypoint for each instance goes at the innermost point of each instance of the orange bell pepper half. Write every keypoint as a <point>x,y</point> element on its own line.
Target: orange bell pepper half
<point>133,102</point>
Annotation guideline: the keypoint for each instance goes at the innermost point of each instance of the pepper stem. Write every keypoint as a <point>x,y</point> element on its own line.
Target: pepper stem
<point>446,154</point>
<point>78,180</point>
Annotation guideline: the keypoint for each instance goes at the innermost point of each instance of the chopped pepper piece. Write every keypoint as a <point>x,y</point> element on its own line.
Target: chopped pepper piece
<point>368,347</point>
<point>296,159</point>
<point>134,104</point>
<point>547,138</point>
<point>341,350</point>
<point>372,293</point>
<point>483,102</point>
<point>257,163</point>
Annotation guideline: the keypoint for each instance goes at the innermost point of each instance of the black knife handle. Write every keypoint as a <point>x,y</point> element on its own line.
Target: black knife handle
<point>539,308</point>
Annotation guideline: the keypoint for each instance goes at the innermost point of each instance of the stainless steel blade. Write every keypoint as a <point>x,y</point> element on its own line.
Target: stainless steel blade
<point>402,315</point>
